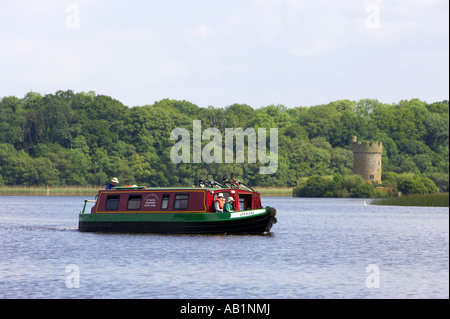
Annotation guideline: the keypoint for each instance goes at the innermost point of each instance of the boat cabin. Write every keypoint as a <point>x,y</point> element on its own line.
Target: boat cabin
<point>171,200</point>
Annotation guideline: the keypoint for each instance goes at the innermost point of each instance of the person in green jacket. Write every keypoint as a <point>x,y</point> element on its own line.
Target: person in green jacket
<point>228,207</point>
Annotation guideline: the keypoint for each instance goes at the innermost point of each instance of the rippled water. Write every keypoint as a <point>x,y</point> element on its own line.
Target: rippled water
<point>320,248</point>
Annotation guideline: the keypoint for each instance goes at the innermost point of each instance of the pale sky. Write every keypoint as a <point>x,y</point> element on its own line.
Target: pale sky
<point>258,52</point>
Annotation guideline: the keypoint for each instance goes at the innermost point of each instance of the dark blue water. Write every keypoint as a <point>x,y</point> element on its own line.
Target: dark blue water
<point>320,248</point>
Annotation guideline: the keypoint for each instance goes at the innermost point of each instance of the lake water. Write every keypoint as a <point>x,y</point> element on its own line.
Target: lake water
<point>320,248</point>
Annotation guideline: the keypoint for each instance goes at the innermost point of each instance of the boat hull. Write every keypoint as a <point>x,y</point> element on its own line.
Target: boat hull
<point>256,221</point>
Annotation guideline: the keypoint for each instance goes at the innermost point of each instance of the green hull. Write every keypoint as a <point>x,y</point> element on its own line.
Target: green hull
<point>258,220</point>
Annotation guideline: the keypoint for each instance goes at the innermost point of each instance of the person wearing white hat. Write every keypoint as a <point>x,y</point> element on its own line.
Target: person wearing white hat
<point>219,203</point>
<point>113,184</point>
<point>228,207</point>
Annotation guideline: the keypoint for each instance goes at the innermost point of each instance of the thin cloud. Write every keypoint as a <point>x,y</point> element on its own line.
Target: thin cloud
<point>293,52</point>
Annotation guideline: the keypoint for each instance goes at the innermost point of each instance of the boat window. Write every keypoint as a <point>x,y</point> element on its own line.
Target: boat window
<point>181,201</point>
<point>165,201</point>
<point>134,202</point>
<point>112,202</point>
<point>241,203</point>
<point>245,201</point>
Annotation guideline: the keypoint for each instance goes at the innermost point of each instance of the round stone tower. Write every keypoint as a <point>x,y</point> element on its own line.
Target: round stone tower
<point>367,159</point>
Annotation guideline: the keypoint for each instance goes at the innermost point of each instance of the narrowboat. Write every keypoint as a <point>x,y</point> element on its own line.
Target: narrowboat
<point>177,210</point>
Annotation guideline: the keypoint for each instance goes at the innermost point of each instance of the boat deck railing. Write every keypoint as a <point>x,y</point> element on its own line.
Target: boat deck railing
<point>88,201</point>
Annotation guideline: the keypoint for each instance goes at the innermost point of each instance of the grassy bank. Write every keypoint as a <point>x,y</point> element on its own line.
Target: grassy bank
<point>55,191</point>
<point>432,200</point>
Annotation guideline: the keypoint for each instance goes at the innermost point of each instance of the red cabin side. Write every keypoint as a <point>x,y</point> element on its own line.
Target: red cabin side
<point>195,200</point>
<point>151,201</point>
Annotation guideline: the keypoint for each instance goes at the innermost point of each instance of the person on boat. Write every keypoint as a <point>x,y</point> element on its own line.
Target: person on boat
<point>228,207</point>
<point>219,203</point>
<point>113,184</point>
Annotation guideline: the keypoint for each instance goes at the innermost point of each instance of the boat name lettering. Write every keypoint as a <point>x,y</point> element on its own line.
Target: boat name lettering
<point>246,213</point>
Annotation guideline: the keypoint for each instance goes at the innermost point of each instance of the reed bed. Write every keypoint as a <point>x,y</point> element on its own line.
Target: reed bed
<point>431,200</point>
<point>93,190</point>
<point>274,191</point>
<point>52,191</point>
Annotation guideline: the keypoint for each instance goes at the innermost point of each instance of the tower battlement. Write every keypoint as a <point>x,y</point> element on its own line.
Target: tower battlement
<point>366,147</point>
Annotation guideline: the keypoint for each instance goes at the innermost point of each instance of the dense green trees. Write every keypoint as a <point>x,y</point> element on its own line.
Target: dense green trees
<point>82,138</point>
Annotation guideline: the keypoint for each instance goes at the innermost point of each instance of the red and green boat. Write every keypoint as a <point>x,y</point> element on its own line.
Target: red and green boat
<point>177,210</point>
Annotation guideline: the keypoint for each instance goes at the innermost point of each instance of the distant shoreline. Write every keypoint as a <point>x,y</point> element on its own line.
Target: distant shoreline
<point>436,200</point>
<point>93,190</point>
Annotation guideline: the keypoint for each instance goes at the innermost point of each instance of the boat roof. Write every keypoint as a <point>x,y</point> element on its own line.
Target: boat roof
<point>213,189</point>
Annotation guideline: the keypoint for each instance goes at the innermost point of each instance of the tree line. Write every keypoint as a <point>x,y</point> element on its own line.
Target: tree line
<point>69,138</point>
